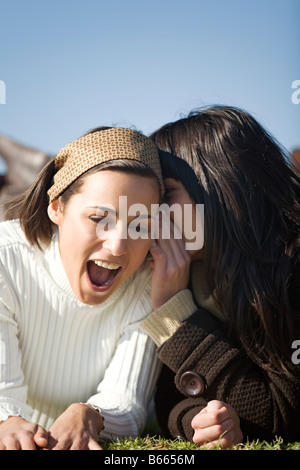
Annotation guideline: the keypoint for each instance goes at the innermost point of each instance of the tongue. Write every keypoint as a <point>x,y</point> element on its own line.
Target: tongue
<point>98,275</point>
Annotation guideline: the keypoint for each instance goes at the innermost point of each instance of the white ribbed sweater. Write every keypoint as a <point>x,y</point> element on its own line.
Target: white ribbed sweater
<point>55,350</point>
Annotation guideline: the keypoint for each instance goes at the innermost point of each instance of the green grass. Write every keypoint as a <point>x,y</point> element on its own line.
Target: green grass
<point>153,441</point>
<point>158,443</point>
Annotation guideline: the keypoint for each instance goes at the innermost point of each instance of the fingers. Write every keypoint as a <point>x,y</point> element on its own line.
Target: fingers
<point>170,273</point>
<point>10,443</point>
<point>169,258</point>
<point>18,434</point>
<point>214,413</point>
<point>221,434</point>
<point>22,441</point>
<point>75,444</point>
<point>169,247</point>
<point>217,424</point>
<point>171,263</point>
<point>159,260</point>
<point>41,437</point>
<point>170,238</point>
<point>27,443</point>
<point>93,445</point>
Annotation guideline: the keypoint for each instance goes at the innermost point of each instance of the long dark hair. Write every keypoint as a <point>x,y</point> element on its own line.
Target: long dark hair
<point>251,194</point>
<point>31,207</point>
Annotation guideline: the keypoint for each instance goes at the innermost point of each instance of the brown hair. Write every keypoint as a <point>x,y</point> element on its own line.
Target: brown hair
<point>251,195</point>
<point>31,207</point>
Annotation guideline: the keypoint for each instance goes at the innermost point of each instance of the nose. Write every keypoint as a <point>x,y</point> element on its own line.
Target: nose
<point>115,240</point>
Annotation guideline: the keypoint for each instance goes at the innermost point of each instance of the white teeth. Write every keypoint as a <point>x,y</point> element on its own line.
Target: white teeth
<point>106,265</point>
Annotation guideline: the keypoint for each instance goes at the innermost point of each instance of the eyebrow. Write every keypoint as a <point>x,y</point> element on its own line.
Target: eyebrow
<point>109,210</point>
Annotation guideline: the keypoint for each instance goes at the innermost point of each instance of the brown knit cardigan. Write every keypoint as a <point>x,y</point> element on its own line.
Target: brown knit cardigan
<point>267,403</point>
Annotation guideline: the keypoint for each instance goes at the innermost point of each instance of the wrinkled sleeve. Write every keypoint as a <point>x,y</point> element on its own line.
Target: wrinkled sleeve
<point>124,393</point>
<point>268,403</point>
<point>165,320</point>
<point>128,384</point>
<point>13,391</point>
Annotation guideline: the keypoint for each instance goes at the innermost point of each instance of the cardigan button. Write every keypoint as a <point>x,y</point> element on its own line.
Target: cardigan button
<point>192,384</point>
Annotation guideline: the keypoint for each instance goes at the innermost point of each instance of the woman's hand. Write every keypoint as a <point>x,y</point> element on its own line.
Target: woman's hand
<point>171,265</point>
<point>18,434</point>
<point>217,424</point>
<point>76,429</point>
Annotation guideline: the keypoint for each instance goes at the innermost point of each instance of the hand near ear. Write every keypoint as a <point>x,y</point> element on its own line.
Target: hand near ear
<point>171,267</point>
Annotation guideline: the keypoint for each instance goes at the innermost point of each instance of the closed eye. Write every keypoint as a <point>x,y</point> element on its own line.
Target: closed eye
<point>168,189</point>
<point>96,219</point>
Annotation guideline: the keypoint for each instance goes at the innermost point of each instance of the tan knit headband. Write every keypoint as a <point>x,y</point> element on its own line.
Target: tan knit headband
<point>102,146</point>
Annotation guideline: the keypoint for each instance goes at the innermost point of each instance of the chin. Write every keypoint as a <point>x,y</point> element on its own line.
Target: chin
<point>96,297</point>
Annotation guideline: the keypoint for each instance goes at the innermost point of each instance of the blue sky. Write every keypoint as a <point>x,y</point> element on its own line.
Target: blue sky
<point>71,65</point>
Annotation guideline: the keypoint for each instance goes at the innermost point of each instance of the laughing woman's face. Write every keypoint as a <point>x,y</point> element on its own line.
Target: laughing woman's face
<point>98,262</point>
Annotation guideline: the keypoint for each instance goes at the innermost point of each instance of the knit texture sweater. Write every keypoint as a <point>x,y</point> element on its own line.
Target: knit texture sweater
<point>55,350</point>
<point>191,336</point>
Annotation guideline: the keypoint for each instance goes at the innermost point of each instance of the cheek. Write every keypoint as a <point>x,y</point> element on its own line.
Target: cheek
<point>139,250</point>
<point>76,240</point>
<point>173,200</point>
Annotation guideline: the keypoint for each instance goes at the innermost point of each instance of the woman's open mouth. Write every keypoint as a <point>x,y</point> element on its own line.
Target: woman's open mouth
<point>101,275</point>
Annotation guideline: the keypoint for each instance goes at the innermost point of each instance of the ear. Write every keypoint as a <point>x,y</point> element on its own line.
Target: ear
<point>54,212</point>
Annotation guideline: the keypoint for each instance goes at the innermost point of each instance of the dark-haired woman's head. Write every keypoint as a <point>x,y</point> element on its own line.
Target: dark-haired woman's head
<point>227,161</point>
